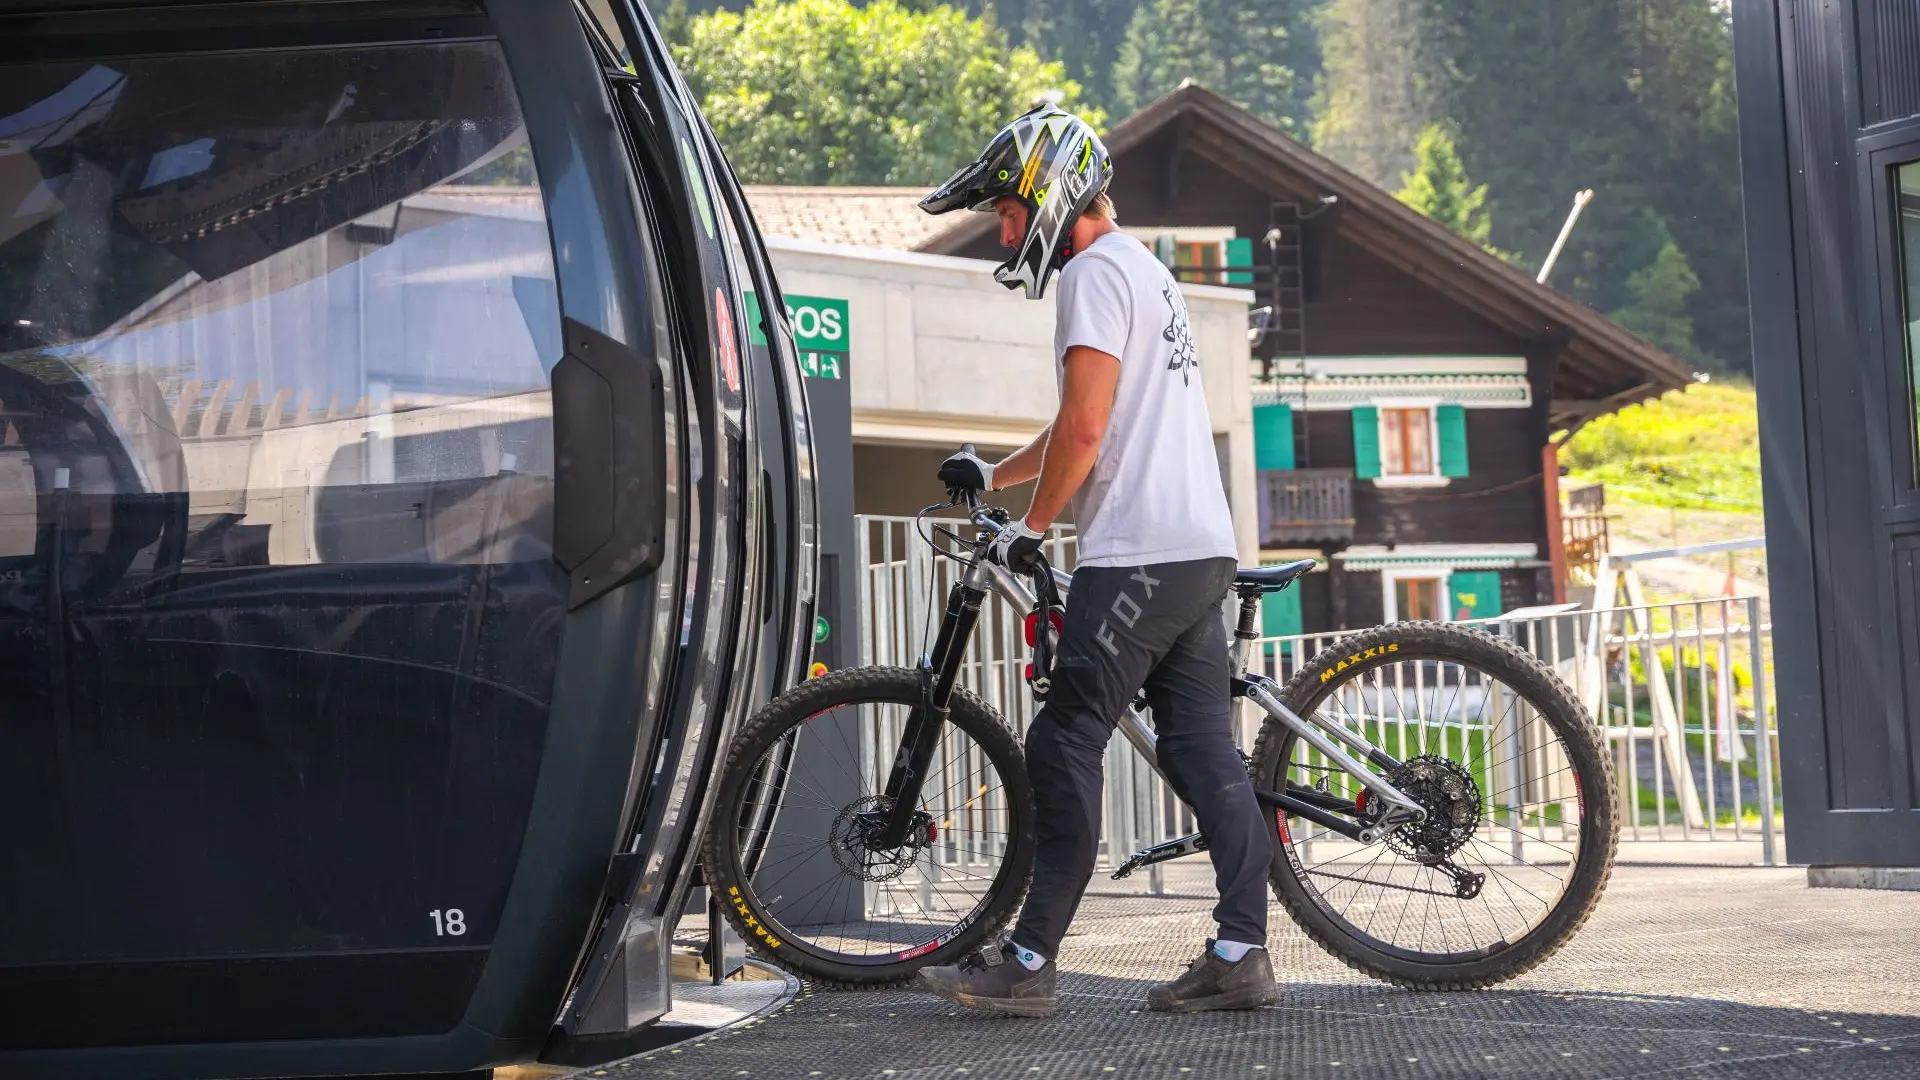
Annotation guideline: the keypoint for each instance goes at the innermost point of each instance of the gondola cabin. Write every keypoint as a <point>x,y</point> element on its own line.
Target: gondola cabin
<point>400,502</point>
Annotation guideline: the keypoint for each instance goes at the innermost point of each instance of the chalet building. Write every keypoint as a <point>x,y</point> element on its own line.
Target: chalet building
<point>1406,385</point>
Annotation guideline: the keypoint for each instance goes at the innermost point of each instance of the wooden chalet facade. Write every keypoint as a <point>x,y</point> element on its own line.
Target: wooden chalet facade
<point>1406,385</point>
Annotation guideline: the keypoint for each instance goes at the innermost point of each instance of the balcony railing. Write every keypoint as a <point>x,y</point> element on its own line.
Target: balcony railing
<point>1305,505</point>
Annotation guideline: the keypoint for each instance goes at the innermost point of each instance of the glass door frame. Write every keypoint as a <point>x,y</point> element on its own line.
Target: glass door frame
<point>1899,367</point>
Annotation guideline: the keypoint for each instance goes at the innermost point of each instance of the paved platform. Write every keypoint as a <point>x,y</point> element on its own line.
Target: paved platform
<point>1700,971</point>
<point>1716,972</point>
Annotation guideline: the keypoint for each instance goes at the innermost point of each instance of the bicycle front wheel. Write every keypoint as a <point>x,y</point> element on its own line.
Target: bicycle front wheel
<point>794,853</point>
<point>1520,831</point>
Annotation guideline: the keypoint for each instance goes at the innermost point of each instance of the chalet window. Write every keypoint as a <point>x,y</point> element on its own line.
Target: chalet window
<point>1195,256</point>
<point>1192,257</point>
<point>1405,443</point>
<point>1438,592</point>
<point>1417,598</point>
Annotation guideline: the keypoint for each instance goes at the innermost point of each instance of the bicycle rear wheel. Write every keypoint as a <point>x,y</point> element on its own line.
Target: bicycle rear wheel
<point>1521,832</point>
<point>791,853</point>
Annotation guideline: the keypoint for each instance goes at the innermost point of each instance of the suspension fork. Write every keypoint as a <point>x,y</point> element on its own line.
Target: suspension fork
<point>928,721</point>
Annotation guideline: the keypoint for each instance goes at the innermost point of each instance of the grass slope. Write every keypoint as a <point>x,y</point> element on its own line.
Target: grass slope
<point>1697,448</point>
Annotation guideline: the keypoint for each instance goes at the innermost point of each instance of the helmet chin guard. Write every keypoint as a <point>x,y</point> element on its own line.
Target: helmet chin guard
<point>1052,162</point>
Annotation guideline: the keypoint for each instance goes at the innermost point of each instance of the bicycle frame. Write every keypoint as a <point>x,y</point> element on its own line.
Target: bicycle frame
<point>940,669</point>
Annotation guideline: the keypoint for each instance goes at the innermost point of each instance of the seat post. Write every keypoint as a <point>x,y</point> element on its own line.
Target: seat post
<point>1244,634</point>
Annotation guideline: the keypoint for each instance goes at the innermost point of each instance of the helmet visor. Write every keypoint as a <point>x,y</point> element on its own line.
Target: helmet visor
<point>975,186</point>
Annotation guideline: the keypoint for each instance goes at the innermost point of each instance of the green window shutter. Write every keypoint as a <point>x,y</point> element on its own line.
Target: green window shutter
<point>1476,594</point>
<point>1240,253</point>
<point>1366,442</point>
<point>1273,436</point>
<point>1452,422</point>
<point>1280,613</point>
<point>1163,249</point>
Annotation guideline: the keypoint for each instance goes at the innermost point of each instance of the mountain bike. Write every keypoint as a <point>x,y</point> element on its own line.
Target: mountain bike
<point>1440,803</point>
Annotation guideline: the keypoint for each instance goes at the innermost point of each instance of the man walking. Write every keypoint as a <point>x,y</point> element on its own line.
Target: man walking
<point>1132,450</point>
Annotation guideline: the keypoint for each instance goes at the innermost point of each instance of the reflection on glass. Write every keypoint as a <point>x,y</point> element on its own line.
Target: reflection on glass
<point>1909,195</point>
<point>326,320</point>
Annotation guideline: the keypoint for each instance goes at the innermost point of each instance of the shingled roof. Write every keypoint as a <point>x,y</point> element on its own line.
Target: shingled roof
<point>883,217</point>
<point>1603,367</point>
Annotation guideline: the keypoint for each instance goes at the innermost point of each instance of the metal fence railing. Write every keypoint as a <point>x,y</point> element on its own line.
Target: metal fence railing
<point>1681,691</point>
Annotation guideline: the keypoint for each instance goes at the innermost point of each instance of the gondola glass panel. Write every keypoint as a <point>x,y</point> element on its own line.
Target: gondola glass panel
<point>278,612</point>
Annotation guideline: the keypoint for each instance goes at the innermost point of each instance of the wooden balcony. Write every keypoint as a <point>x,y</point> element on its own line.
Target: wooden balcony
<point>1307,505</point>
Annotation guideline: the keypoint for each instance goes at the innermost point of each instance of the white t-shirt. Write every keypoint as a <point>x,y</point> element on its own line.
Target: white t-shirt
<point>1155,493</point>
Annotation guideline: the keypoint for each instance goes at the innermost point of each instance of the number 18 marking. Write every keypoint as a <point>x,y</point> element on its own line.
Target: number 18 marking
<point>451,923</point>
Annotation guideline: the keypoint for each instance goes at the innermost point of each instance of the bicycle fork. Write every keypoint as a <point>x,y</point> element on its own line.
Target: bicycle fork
<point>928,722</point>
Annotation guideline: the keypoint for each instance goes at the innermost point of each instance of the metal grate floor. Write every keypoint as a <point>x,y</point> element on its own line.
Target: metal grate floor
<point>1714,972</point>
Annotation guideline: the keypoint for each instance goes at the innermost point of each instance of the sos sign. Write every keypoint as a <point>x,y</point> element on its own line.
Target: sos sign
<point>819,330</point>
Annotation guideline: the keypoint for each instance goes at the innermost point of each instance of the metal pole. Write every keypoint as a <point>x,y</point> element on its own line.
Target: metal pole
<point>1762,731</point>
<point>1580,201</point>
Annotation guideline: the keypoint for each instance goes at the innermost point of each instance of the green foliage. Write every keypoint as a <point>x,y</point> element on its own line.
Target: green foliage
<point>1631,98</point>
<point>1083,35</point>
<point>1256,53</point>
<point>676,23</point>
<point>1438,187</point>
<point>1658,308</point>
<point>1698,448</point>
<point>1681,73</point>
<point>1378,85</point>
<point>1716,417</point>
<point>823,92</point>
<point>1729,482</point>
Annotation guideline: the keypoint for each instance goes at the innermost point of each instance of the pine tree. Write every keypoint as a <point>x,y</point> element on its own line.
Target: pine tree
<point>1681,57</point>
<point>1083,35</point>
<point>1260,54</point>
<point>1539,97</point>
<point>1658,310</point>
<point>1438,187</point>
<point>1376,92</point>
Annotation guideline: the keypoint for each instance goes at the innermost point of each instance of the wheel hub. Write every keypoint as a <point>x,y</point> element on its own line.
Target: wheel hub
<point>1452,802</point>
<point>855,840</point>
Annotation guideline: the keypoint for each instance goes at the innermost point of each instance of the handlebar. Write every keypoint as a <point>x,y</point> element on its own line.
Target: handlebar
<point>993,519</point>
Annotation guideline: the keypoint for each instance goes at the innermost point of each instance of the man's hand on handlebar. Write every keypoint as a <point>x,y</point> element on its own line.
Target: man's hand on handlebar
<point>966,470</point>
<point>1016,547</point>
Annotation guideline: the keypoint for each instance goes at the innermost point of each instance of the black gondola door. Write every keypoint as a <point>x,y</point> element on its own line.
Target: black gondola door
<point>279,607</point>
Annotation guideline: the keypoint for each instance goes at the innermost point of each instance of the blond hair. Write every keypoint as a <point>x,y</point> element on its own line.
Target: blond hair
<point>1101,208</point>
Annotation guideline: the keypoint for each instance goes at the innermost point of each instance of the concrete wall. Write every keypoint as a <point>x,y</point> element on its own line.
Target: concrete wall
<point>940,354</point>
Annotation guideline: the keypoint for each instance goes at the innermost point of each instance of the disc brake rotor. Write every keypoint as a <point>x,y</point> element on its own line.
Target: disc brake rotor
<point>852,840</point>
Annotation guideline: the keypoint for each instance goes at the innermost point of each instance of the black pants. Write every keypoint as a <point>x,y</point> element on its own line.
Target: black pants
<point>1159,628</point>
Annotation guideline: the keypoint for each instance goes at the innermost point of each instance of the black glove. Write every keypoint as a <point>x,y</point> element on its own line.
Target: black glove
<point>1017,547</point>
<point>965,470</point>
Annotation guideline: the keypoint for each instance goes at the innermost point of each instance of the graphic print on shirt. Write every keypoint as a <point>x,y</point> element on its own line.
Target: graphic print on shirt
<point>1178,334</point>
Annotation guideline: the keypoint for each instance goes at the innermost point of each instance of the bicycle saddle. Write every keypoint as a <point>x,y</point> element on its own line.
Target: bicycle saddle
<point>1270,578</point>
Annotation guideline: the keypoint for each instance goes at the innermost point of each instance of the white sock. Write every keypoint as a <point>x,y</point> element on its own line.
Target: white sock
<point>1029,959</point>
<point>1232,951</point>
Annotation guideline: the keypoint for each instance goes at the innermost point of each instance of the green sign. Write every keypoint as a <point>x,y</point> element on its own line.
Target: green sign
<point>819,330</point>
<point>820,628</point>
